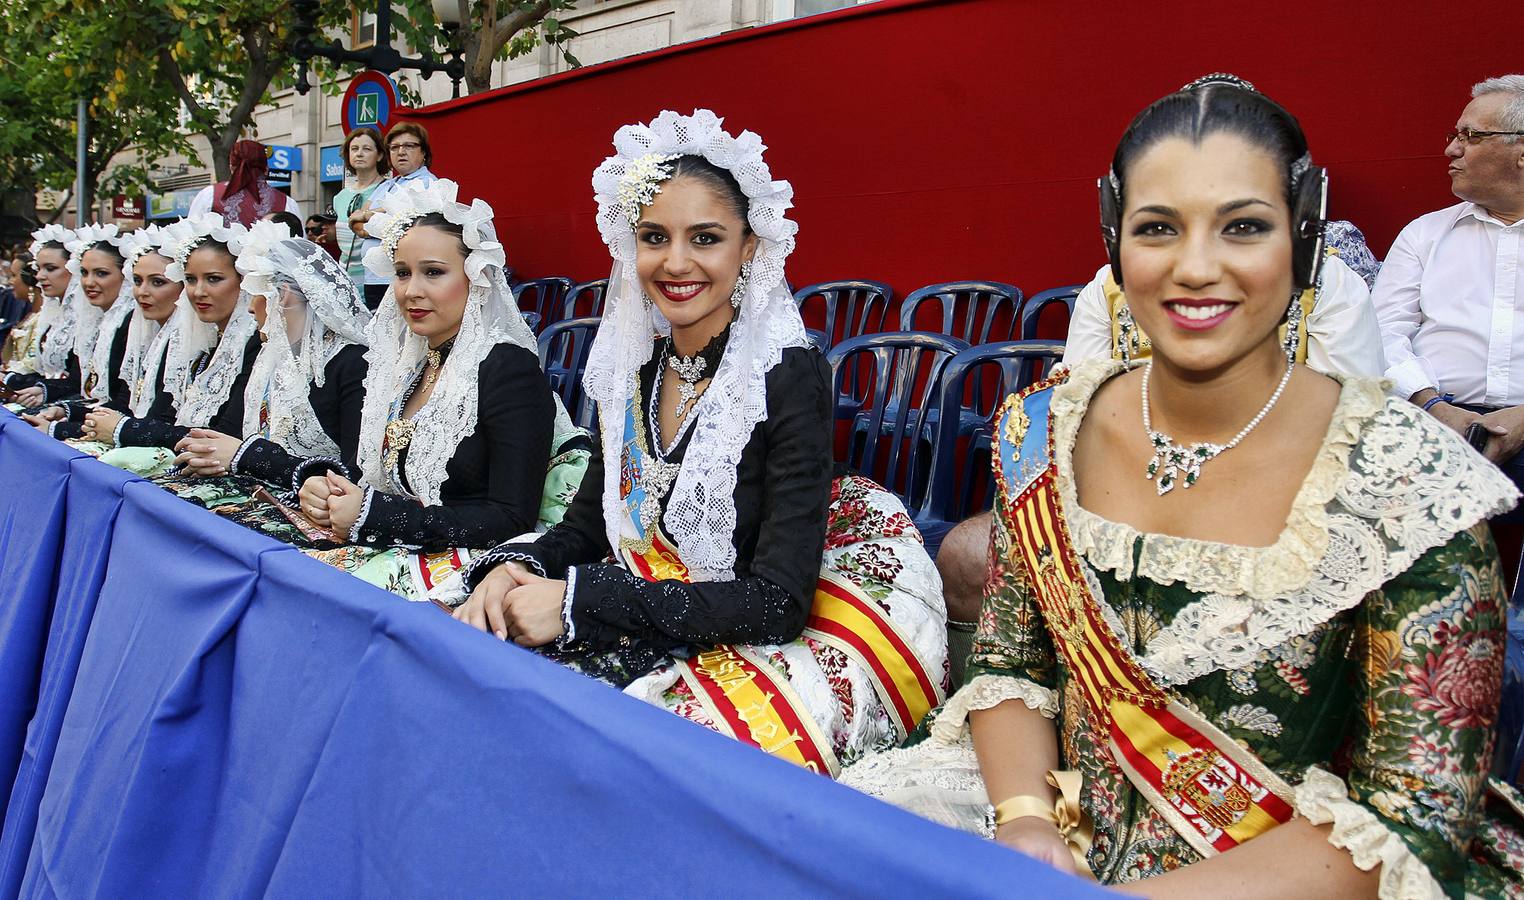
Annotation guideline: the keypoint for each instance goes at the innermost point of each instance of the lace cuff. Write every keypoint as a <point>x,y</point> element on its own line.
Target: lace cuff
<point>1323,798</point>
<point>116,433</point>
<point>568,627</point>
<point>472,574</point>
<point>310,466</point>
<point>233,463</point>
<point>359,525</point>
<point>984,692</point>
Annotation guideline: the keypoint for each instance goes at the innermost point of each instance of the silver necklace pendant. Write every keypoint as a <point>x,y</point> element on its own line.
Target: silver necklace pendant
<point>1174,463</point>
<point>689,372</point>
<point>1181,464</point>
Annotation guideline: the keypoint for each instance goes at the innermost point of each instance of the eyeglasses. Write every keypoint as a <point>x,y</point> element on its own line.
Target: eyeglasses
<point>314,229</point>
<point>404,145</point>
<point>1472,137</point>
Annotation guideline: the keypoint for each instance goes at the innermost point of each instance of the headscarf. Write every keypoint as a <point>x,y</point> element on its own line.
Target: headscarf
<point>95,328</point>
<point>701,515</point>
<point>277,402</point>
<point>396,354</point>
<point>144,350</point>
<point>247,197</point>
<point>198,398</point>
<point>55,321</point>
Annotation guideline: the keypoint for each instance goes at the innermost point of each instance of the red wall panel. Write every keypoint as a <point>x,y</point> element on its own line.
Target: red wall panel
<point>929,141</point>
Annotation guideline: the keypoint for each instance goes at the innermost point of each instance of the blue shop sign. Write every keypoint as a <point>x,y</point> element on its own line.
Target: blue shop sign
<point>284,158</point>
<point>331,162</point>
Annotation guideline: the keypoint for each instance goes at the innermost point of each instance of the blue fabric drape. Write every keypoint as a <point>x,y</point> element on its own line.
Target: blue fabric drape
<point>193,710</point>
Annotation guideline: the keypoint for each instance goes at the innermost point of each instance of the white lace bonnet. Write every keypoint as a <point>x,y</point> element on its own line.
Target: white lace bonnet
<point>701,514</point>
<point>196,403</point>
<point>491,318</point>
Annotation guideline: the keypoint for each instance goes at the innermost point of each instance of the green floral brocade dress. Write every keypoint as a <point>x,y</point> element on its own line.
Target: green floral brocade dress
<point>1360,657</point>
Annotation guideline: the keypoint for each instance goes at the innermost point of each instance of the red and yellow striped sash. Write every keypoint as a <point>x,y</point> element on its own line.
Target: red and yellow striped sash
<point>1214,792</point>
<point>844,618</point>
<point>746,697</point>
<point>428,569</point>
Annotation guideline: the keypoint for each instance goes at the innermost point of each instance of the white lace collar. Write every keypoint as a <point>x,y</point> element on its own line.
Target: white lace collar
<point>1388,484</point>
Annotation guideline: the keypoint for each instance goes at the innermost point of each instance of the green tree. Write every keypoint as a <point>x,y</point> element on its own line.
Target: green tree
<point>221,58</point>
<point>53,52</point>
<point>492,30</point>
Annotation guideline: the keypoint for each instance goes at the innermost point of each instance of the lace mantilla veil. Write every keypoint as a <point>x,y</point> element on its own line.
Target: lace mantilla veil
<point>396,354</point>
<point>312,311</point>
<point>701,515</point>
<point>197,400</point>
<point>141,331</point>
<point>158,338</point>
<point>55,321</point>
<point>95,328</point>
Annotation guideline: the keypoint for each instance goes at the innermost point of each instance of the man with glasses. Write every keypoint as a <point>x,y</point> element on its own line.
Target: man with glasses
<point>407,146</point>
<point>1450,296</point>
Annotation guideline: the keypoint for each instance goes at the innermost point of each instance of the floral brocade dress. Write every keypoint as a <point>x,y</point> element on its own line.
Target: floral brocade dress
<point>1359,658</point>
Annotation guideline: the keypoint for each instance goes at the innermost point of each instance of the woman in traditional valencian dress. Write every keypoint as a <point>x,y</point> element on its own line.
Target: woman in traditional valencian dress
<point>154,329</point>
<point>462,444</point>
<point>105,341</point>
<point>50,356</point>
<point>307,388</point>
<point>209,356</point>
<point>19,341</point>
<point>1242,634</point>
<point>688,570</point>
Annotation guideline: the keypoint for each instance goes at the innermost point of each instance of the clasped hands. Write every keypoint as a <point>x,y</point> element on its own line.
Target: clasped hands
<point>332,501</point>
<point>513,602</point>
<point>206,452</point>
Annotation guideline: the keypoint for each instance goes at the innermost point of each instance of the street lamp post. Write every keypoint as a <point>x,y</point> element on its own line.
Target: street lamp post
<point>381,55</point>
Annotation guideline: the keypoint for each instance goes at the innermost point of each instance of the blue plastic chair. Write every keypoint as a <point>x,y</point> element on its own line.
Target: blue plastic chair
<point>983,305</point>
<point>851,308</point>
<point>1031,311</point>
<point>960,467</point>
<point>564,348</point>
<point>589,296</point>
<point>900,375</point>
<point>542,296</point>
<point>532,319</point>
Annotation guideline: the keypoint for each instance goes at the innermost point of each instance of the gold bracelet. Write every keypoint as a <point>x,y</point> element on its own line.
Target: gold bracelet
<point>1063,812</point>
<point>1024,806</point>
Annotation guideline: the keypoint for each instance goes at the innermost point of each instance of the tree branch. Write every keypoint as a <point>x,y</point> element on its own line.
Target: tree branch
<point>511,24</point>
<point>206,123</point>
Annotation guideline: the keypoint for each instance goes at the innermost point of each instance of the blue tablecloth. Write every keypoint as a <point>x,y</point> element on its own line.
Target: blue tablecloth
<point>191,709</point>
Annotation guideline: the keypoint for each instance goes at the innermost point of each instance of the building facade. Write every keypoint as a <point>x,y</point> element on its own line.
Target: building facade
<point>306,131</point>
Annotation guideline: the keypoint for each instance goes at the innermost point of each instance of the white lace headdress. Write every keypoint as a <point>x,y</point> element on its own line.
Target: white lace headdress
<point>312,311</point>
<point>396,354</point>
<point>153,337</point>
<point>141,331</point>
<point>55,321</point>
<point>198,399</point>
<point>701,514</point>
<point>94,328</point>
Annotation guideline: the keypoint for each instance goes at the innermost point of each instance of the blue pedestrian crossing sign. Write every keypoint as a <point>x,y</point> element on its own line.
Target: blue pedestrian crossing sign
<point>369,102</point>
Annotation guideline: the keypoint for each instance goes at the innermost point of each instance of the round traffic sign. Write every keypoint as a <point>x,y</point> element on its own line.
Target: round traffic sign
<point>370,100</point>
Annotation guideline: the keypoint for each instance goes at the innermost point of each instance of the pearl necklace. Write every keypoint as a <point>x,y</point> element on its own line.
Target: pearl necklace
<point>1174,463</point>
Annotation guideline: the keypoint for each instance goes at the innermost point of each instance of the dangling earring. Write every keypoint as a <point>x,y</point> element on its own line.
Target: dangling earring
<point>1293,327</point>
<point>739,291</point>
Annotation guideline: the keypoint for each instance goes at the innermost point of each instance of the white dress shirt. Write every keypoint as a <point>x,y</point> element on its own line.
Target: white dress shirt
<point>1448,298</point>
<point>1342,334</point>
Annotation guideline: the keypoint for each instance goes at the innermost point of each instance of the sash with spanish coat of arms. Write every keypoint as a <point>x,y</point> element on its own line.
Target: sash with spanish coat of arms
<point>745,695</point>
<point>1210,789</point>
